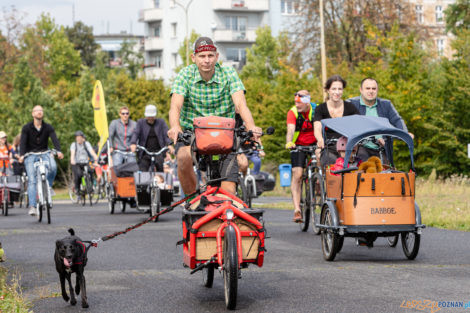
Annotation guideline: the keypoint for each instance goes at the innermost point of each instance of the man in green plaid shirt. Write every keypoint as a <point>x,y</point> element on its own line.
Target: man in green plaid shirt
<point>206,89</point>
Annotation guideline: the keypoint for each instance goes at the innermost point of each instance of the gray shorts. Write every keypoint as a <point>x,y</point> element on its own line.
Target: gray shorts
<point>228,168</point>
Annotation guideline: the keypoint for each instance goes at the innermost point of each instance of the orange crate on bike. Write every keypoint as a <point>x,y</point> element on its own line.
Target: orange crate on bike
<point>124,186</point>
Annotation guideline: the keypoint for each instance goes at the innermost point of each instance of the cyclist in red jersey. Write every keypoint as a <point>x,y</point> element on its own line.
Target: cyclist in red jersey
<point>299,133</point>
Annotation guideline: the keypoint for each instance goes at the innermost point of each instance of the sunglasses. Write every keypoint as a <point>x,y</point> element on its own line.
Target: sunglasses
<point>124,113</point>
<point>299,95</point>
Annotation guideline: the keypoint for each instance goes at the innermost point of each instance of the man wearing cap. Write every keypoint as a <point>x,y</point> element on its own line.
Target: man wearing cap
<point>120,134</point>
<point>206,89</point>
<point>151,133</point>
<point>34,138</point>
<point>81,152</point>
<point>299,133</point>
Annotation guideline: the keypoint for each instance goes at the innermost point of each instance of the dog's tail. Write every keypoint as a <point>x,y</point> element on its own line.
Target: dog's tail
<point>71,231</point>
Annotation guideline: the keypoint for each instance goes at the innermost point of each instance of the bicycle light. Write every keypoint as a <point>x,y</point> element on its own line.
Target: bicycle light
<point>229,214</point>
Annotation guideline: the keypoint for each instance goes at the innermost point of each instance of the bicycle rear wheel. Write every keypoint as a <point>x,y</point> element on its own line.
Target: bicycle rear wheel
<point>6,197</point>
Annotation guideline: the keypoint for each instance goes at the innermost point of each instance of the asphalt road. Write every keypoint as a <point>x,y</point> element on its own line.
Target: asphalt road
<point>142,271</point>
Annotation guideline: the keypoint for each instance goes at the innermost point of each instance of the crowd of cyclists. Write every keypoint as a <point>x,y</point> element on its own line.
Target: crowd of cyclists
<point>201,89</point>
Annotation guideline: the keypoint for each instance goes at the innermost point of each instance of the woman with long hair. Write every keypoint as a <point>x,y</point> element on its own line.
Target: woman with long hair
<point>334,107</point>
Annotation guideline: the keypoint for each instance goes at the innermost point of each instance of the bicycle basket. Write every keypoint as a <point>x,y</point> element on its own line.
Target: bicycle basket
<point>214,134</point>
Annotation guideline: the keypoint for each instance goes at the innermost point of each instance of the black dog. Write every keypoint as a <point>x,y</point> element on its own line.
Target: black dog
<point>71,257</point>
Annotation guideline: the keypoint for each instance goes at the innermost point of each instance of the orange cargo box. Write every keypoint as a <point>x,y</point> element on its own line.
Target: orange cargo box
<point>124,186</point>
<point>380,198</point>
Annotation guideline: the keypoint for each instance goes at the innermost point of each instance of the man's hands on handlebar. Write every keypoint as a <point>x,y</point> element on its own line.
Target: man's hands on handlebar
<point>290,145</point>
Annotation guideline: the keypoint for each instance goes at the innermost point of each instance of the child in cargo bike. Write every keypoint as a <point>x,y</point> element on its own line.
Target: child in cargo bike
<point>354,161</point>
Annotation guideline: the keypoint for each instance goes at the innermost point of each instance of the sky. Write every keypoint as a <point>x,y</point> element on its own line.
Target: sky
<point>106,16</point>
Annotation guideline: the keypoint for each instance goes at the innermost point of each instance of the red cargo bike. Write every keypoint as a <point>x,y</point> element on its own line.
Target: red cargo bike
<point>219,230</point>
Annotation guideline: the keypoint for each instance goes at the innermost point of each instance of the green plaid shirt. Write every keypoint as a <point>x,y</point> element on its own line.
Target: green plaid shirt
<point>203,98</point>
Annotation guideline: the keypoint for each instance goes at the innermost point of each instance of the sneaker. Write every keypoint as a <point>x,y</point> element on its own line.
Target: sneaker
<point>32,211</point>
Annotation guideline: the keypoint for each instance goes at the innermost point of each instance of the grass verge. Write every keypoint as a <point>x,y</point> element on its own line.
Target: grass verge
<point>443,203</point>
<point>11,299</point>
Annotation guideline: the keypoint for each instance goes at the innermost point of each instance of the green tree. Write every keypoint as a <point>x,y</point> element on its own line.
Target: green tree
<point>457,16</point>
<point>450,122</point>
<point>50,53</point>
<point>182,50</point>
<point>83,40</point>
<point>131,59</point>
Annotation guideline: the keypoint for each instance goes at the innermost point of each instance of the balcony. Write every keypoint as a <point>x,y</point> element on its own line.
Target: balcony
<point>228,35</point>
<point>150,15</point>
<point>241,5</point>
<point>152,72</point>
<point>153,43</point>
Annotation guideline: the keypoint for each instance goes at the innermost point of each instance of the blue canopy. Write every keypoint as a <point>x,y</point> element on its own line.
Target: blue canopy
<point>358,127</point>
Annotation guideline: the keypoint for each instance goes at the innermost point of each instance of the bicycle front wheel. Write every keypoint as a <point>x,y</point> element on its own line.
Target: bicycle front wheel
<point>318,198</point>
<point>230,268</point>
<point>154,202</point>
<point>305,205</point>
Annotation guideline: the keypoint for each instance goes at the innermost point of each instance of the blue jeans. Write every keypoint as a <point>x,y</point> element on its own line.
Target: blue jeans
<point>254,157</point>
<point>118,158</point>
<point>31,171</point>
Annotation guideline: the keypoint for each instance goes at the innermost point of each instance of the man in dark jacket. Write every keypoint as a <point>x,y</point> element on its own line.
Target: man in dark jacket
<point>369,104</point>
<point>34,138</point>
<point>151,133</point>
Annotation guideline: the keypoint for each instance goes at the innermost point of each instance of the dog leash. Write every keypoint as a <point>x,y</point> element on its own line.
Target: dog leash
<point>94,242</point>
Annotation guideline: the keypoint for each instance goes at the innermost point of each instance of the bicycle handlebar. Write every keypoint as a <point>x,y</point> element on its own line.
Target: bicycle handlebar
<point>162,150</point>
<point>123,152</point>
<point>53,151</point>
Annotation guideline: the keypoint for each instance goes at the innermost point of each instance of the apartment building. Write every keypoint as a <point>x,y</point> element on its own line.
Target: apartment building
<point>112,43</point>
<point>430,14</point>
<point>231,24</point>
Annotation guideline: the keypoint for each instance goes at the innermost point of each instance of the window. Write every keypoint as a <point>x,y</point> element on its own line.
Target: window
<point>440,47</point>
<point>173,29</point>
<point>439,14</point>
<point>419,14</point>
<point>155,29</point>
<point>290,6</point>
<point>175,59</point>
<point>236,55</point>
<point>156,59</point>
<point>156,4</point>
<point>235,23</point>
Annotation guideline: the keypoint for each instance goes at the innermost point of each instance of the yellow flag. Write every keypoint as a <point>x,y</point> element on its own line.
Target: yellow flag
<point>101,119</point>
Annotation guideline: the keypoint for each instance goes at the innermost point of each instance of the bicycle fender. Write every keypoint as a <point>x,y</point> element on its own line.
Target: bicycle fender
<point>334,212</point>
<point>417,214</point>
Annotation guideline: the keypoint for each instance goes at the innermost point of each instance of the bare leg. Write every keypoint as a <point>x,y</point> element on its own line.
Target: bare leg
<point>295,187</point>
<point>229,186</point>
<point>242,163</point>
<point>186,173</point>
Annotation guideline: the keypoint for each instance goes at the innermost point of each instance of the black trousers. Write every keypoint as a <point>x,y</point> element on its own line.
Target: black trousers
<point>144,163</point>
<point>77,170</point>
